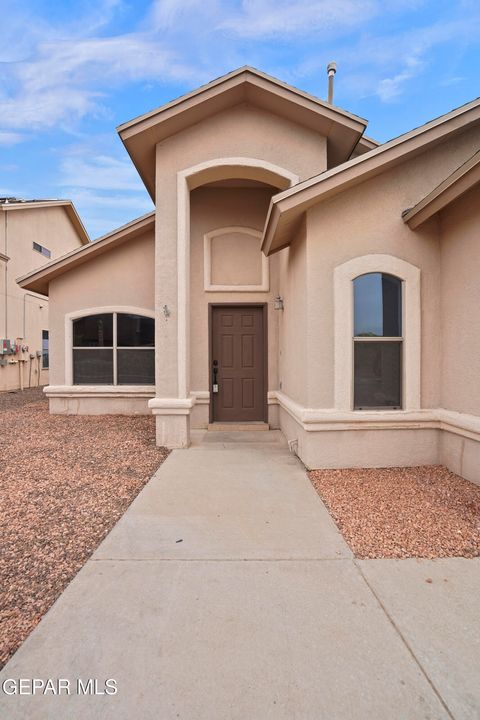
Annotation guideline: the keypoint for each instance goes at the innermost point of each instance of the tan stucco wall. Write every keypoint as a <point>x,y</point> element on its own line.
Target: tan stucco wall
<point>460,357</point>
<point>243,131</point>
<point>50,227</point>
<point>213,208</point>
<point>366,220</point>
<point>293,341</point>
<point>123,276</point>
<point>460,283</point>
<point>461,455</point>
<point>363,448</point>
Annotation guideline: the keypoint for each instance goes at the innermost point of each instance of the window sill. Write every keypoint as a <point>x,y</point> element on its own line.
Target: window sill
<point>100,391</point>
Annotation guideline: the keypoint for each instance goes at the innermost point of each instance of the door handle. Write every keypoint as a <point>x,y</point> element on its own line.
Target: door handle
<point>215,372</point>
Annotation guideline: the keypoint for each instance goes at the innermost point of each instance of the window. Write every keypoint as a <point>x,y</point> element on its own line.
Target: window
<point>407,278</point>
<point>114,349</point>
<point>377,341</point>
<point>42,250</point>
<point>45,358</point>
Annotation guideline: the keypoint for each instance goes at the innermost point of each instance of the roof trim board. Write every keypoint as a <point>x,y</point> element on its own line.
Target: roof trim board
<point>245,85</point>
<point>39,279</point>
<point>332,110</point>
<point>459,182</point>
<point>286,207</point>
<point>66,204</point>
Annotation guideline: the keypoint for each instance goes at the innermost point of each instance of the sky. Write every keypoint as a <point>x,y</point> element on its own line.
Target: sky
<point>73,70</point>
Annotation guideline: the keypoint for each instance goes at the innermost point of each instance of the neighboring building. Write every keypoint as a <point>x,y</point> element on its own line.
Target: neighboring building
<point>32,233</point>
<point>295,272</point>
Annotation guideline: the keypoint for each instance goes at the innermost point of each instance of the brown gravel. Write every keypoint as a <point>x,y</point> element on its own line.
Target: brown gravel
<point>65,482</point>
<point>423,511</point>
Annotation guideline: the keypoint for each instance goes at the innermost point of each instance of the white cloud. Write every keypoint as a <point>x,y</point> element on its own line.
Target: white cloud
<point>166,13</point>
<point>10,138</point>
<point>98,172</point>
<point>62,74</point>
<point>409,52</point>
<point>385,64</point>
<point>55,73</point>
<point>267,18</point>
<point>390,88</point>
<point>134,204</point>
<point>103,212</point>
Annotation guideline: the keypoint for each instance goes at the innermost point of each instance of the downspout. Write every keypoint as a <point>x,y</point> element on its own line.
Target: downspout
<point>6,275</point>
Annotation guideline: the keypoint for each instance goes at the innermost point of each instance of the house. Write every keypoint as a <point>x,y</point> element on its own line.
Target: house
<point>32,232</point>
<point>294,272</point>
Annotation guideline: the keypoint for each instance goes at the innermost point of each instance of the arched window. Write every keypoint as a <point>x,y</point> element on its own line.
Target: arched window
<point>377,341</point>
<point>114,349</point>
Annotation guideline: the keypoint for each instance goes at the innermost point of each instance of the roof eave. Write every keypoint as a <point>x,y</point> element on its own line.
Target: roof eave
<point>68,206</point>
<point>39,279</point>
<point>221,94</point>
<point>299,198</point>
<point>125,128</point>
<point>458,183</point>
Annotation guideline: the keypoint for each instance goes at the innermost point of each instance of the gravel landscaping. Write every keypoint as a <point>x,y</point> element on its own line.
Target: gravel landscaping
<point>66,480</point>
<point>424,512</point>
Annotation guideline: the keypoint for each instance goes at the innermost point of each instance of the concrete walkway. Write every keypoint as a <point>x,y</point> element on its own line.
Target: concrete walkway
<point>226,593</point>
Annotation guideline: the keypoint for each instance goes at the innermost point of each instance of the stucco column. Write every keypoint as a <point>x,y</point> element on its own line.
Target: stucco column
<point>172,403</point>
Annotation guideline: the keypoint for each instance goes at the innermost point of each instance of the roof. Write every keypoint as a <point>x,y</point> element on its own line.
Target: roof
<point>457,183</point>
<point>287,208</point>
<point>7,204</point>
<point>365,144</point>
<point>341,128</point>
<point>39,279</point>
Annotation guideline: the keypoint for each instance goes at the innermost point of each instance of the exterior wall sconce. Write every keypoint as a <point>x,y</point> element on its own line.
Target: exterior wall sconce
<point>166,311</point>
<point>278,303</point>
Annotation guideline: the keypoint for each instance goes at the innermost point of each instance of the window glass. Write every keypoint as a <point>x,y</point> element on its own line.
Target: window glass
<point>377,305</point>
<point>43,250</point>
<point>135,331</point>
<point>135,367</point>
<point>45,357</point>
<point>97,359</point>
<point>377,374</point>
<point>93,331</point>
<point>93,367</point>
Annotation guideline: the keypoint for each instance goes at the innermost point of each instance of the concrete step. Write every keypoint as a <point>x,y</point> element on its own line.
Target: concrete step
<point>240,426</point>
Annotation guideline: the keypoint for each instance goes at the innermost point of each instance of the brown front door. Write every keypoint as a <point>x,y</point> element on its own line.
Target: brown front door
<point>238,363</point>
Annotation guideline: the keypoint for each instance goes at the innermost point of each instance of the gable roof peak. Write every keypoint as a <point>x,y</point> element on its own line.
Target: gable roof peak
<point>245,84</point>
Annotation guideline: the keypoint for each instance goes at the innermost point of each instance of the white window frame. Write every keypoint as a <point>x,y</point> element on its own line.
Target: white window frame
<point>207,261</point>
<point>344,275</point>
<point>69,347</point>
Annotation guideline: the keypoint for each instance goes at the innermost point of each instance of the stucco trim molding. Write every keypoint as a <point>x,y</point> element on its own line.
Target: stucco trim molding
<point>84,312</point>
<point>330,419</point>
<point>171,406</point>
<point>343,326</point>
<point>188,179</point>
<point>200,397</point>
<point>456,184</point>
<point>264,286</point>
<point>99,391</point>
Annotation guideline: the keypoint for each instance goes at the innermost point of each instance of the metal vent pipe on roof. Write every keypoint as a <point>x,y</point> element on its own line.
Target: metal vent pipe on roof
<point>331,70</point>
